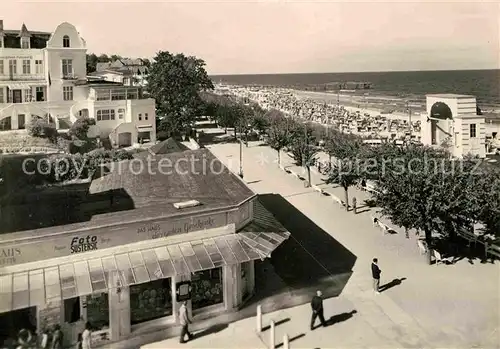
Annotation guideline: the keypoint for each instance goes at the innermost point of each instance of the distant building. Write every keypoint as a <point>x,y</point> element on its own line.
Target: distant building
<point>452,122</point>
<point>129,72</point>
<point>43,75</point>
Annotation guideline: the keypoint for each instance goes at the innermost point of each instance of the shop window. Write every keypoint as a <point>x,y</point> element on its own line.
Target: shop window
<point>98,310</point>
<point>150,301</point>
<point>13,321</point>
<point>206,288</point>
<point>72,310</point>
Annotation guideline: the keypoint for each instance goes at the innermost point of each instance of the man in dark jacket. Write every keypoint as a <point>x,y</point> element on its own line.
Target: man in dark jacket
<point>376,275</point>
<point>317,310</point>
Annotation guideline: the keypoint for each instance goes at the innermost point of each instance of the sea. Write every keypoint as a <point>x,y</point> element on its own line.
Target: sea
<point>408,85</point>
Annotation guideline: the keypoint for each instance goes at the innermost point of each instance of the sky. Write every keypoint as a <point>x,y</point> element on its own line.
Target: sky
<point>273,36</point>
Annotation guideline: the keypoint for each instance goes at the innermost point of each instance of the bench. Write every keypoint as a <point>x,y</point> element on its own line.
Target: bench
<point>295,174</point>
<point>337,200</point>
<point>378,223</point>
<point>492,250</point>
<point>468,235</point>
<point>318,189</point>
<point>282,167</point>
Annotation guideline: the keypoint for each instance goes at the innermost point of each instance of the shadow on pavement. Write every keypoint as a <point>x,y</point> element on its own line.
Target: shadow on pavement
<point>310,259</point>
<point>291,339</point>
<point>280,322</point>
<point>335,319</point>
<point>210,330</point>
<point>395,282</point>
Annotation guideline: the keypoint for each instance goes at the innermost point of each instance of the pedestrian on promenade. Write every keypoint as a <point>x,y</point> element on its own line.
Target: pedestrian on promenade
<point>86,336</point>
<point>317,310</point>
<point>354,202</point>
<point>363,184</point>
<point>376,275</point>
<point>185,321</point>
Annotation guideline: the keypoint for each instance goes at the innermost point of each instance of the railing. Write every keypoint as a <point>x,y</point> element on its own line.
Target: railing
<point>22,77</point>
<point>70,77</point>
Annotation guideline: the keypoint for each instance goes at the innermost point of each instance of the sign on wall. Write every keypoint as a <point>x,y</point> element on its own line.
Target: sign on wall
<point>183,291</point>
<point>105,237</point>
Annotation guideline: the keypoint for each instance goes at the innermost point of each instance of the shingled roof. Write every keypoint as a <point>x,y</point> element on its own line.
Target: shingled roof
<point>168,146</point>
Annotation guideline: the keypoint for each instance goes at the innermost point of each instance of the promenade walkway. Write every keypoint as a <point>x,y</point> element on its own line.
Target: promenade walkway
<point>438,306</point>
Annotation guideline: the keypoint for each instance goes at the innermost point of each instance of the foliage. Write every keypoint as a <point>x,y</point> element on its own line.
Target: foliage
<point>280,131</point>
<point>80,128</point>
<point>175,82</point>
<point>260,123</point>
<point>302,145</point>
<point>41,128</point>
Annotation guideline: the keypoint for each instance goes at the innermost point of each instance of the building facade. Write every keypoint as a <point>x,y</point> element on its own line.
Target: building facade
<point>43,75</point>
<point>129,72</point>
<point>144,250</point>
<point>452,122</point>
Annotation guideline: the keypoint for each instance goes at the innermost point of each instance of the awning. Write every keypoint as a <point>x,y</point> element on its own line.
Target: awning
<point>145,128</point>
<point>83,277</point>
<point>21,86</point>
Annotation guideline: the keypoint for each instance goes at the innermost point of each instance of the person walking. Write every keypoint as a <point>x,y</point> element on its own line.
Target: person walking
<point>376,275</point>
<point>354,202</point>
<point>185,321</point>
<point>86,335</point>
<point>317,310</point>
<point>57,338</point>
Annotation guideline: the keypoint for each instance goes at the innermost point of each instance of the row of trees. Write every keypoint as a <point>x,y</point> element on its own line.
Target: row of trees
<point>418,187</point>
<point>93,59</point>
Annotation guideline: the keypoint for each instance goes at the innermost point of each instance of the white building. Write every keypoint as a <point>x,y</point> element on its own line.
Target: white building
<point>451,121</point>
<point>44,75</point>
<point>129,72</point>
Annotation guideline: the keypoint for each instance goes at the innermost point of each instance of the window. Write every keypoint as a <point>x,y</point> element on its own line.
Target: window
<point>27,95</point>
<point>65,41</point>
<point>103,95</point>
<point>2,99</point>
<point>67,67</point>
<point>26,66</point>
<point>12,66</point>
<point>145,116</point>
<point>118,94</point>
<point>472,130</point>
<point>1,66</point>
<point>206,288</point>
<point>125,81</point>
<point>150,301</point>
<point>121,113</point>
<point>140,117</point>
<point>72,310</point>
<point>105,114</point>
<point>132,94</point>
<point>39,66</point>
<point>39,93</point>
<point>25,42</point>
<point>68,93</point>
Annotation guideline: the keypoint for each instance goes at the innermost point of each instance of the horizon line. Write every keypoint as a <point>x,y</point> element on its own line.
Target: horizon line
<point>356,72</point>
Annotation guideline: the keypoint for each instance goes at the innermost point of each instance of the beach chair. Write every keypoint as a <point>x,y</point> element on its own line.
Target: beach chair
<point>438,257</point>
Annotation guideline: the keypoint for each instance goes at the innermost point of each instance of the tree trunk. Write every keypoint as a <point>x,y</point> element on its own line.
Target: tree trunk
<point>279,158</point>
<point>346,192</point>
<point>308,175</point>
<point>225,130</point>
<point>428,241</point>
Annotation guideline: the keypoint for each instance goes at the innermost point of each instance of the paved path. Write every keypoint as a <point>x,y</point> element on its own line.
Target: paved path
<point>444,306</point>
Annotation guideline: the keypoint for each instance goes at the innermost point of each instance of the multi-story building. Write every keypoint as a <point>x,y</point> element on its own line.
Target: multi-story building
<point>129,72</point>
<point>44,75</point>
<point>452,121</point>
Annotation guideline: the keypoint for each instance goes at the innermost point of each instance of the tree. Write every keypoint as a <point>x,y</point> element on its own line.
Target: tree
<point>424,189</point>
<point>91,63</point>
<point>347,161</point>
<point>80,128</point>
<point>175,82</point>
<point>43,129</point>
<point>280,131</point>
<point>260,123</point>
<point>303,147</point>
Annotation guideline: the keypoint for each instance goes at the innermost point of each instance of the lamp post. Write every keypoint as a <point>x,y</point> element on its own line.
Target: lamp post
<point>241,159</point>
<point>408,109</point>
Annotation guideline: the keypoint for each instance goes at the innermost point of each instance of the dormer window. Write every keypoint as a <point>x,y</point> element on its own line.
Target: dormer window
<point>65,41</point>
<point>25,42</point>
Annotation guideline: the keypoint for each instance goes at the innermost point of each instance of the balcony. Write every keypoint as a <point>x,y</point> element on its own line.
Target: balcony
<point>70,77</point>
<point>22,77</point>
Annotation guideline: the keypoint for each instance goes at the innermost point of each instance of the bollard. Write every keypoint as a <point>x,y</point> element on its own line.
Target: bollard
<point>259,318</point>
<point>271,336</point>
<point>286,342</point>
